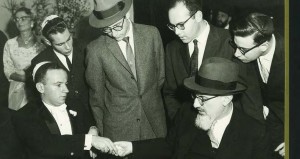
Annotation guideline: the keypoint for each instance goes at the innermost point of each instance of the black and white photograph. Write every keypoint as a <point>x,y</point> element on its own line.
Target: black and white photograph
<point>147,79</point>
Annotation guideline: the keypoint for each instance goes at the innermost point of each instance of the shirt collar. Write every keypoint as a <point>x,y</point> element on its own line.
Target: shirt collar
<point>61,55</point>
<point>202,37</point>
<point>55,108</point>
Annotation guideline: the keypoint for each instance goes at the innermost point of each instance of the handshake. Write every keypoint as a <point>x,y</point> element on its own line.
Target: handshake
<point>105,145</point>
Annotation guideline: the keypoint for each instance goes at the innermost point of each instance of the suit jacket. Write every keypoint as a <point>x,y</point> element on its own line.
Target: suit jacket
<point>273,93</point>
<point>178,67</point>
<point>185,141</point>
<point>40,135</point>
<point>126,108</point>
<point>78,89</point>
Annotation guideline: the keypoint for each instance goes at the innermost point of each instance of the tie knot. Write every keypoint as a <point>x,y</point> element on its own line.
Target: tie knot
<point>126,39</point>
<point>195,42</point>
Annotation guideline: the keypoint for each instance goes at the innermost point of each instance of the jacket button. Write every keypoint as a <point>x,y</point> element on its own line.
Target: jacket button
<point>76,92</point>
<point>72,153</point>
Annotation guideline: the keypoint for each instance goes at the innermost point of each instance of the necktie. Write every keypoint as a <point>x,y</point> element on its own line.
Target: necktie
<point>130,56</point>
<point>194,59</point>
<point>68,62</point>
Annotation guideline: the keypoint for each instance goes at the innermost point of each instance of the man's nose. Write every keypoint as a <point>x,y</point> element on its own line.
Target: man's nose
<point>177,31</point>
<point>65,89</point>
<point>238,53</point>
<point>196,103</point>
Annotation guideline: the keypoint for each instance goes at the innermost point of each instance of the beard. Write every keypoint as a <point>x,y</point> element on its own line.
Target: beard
<point>222,24</point>
<point>203,122</point>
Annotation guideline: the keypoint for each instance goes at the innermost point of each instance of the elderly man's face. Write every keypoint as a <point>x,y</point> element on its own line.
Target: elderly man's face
<point>118,30</point>
<point>208,111</point>
<point>180,14</point>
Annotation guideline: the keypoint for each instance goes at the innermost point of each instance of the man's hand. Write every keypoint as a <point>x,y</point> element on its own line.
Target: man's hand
<point>124,148</point>
<point>93,131</point>
<point>280,149</point>
<point>105,145</point>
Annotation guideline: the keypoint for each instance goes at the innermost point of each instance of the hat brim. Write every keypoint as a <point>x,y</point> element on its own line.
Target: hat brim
<point>101,23</point>
<point>190,84</point>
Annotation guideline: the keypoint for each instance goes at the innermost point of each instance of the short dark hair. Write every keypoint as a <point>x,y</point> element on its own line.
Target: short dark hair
<point>54,26</point>
<point>23,9</point>
<point>42,71</point>
<point>192,5</point>
<point>258,24</point>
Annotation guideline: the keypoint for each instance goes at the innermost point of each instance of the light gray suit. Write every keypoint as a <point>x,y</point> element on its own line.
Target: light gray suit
<point>125,108</point>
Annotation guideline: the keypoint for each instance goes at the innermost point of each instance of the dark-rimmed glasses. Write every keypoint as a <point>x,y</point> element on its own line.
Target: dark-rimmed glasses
<point>243,50</point>
<point>18,19</point>
<point>201,99</point>
<point>179,25</point>
<point>116,27</point>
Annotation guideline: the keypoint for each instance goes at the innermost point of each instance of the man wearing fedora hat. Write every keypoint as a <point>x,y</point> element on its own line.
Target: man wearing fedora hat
<point>125,71</point>
<point>214,128</point>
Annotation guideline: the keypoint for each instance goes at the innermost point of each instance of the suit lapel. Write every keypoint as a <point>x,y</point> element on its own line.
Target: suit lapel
<point>117,53</point>
<point>212,39</point>
<point>57,60</point>
<point>231,135</point>
<point>184,52</point>
<point>49,119</point>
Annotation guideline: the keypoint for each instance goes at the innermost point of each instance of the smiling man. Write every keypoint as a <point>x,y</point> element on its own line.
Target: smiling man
<point>256,43</point>
<point>125,71</point>
<point>197,41</point>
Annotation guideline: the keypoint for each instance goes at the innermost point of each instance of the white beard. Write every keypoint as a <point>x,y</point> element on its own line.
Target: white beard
<point>203,122</point>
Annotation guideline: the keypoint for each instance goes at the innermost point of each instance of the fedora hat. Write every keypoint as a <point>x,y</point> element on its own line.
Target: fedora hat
<point>107,12</point>
<point>216,76</point>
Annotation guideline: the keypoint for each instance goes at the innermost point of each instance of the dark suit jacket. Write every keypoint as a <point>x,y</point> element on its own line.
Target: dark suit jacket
<point>126,108</point>
<point>40,135</point>
<point>4,84</point>
<point>273,93</point>
<point>244,138</point>
<point>178,67</point>
<point>78,89</point>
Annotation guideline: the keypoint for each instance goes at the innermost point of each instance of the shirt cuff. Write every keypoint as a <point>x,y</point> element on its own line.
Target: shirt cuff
<point>88,142</point>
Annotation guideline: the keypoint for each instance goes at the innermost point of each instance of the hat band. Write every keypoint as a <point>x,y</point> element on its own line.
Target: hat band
<point>110,12</point>
<point>215,84</point>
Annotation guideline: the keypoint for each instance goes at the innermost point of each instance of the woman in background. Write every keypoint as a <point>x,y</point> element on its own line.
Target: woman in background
<point>17,56</point>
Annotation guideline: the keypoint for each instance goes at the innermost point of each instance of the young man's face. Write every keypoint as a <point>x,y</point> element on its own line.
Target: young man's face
<point>54,91</point>
<point>244,44</point>
<point>180,14</point>
<point>209,111</point>
<point>118,30</point>
<point>62,42</point>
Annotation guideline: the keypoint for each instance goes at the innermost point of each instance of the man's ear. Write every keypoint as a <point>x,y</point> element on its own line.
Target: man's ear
<point>47,42</point>
<point>264,46</point>
<point>227,100</point>
<point>199,16</point>
<point>40,87</point>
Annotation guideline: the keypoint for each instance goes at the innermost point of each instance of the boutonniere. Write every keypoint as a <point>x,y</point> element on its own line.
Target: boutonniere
<point>72,112</point>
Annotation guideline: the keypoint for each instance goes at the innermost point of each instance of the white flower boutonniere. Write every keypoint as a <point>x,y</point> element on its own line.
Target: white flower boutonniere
<point>74,113</point>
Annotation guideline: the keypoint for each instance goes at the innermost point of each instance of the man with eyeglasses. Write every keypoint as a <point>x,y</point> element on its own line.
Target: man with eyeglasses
<point>257,44</point>
<point>214,128</point>
<point>197,41</point>
<point>68,53</point>
<point>125,71</point>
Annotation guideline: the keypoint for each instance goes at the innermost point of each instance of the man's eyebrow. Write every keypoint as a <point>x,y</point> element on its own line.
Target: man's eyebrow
<point>65,41</point>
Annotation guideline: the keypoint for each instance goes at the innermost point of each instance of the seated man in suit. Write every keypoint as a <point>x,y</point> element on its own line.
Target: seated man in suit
<point>215,129</point>
<point>257,43</point>
<point>48,128</point>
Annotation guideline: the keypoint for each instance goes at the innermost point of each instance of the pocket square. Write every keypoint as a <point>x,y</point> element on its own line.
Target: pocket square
<point>72,112</point>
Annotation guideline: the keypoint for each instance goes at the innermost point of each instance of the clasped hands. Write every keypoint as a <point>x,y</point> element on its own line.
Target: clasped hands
<point>105,145</point>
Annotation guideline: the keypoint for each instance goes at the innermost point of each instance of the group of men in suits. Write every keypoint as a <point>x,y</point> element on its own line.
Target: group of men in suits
<point>120,76</point>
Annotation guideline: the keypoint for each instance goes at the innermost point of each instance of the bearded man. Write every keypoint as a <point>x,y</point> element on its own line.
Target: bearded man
<point>216,129</point>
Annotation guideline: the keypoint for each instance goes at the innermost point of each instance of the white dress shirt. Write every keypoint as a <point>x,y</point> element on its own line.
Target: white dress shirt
<point>264,62</point>
<point>123,44</point>
<point>62,119</point>
<point>218,128</point>
<point>202,39</point>
<point>63,59</point>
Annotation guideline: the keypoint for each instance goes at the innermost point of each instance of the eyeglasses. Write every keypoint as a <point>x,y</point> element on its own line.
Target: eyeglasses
<point>116,27</point>
<point>201,99</point>
<point>243,50</point>
<point>179,25</point>
<point>18,19</point>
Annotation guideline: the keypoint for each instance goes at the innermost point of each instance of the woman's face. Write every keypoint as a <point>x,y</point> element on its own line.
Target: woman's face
<point>23,21</point>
